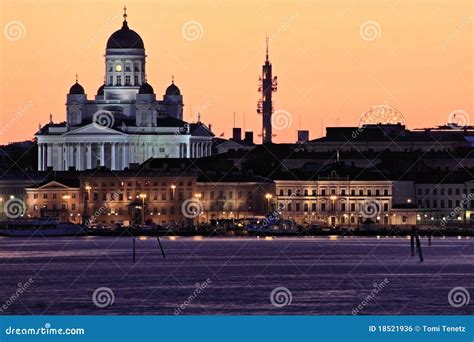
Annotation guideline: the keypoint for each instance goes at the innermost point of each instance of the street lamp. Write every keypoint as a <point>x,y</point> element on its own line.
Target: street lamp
<point>85,215</point>
<point>198,199</point>
<point>268,197</point>
<point>173,188</point>
<point>143,196</point>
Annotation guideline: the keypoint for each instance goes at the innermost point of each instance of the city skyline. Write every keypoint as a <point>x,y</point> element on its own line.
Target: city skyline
<point>368,47</point>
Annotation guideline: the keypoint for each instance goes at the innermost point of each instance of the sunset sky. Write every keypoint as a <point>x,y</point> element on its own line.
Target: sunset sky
<point>418,58</point>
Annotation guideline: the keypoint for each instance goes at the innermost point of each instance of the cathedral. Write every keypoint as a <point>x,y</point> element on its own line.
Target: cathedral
<point>124,123</point>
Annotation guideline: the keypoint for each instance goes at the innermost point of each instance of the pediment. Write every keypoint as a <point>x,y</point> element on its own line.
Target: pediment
<point>93,129</point>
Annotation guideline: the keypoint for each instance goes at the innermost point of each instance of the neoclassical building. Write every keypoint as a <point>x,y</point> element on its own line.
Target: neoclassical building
<point>124,123</point>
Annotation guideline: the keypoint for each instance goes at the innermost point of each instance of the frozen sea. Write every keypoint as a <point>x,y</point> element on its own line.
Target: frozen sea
<point>234,276</point>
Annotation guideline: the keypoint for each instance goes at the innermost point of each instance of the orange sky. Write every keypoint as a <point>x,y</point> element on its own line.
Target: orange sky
<point>421,60</point>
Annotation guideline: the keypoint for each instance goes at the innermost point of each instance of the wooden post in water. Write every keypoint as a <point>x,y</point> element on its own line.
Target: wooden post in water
<point>418,247</point>
<point>133,249</point>
<point>161,247</point>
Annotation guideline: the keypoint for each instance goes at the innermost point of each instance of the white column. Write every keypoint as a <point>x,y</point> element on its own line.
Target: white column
<point>64,151</point>
<point>124,156</point>
<point>112,156</point>
<point>78,157</point>
<point>70,155</point>
<point>188,150</point>
<point>102,154</point>
<point>40,154</point>
<point>89,157</point>
<point>49,155</point>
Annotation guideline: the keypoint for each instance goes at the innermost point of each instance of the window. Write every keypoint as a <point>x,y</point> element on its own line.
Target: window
<point>457,191</point>
<point>313,207</point>
<point>135,79</point>
<point>127,80</point>
<point>343,192</point>
<point>73,206</point>
<point>289,192</point>
<point>45,196</point>
<point>314,193</point>
<point>343,207</point>
<point>289,207</point>
<point>353,207</point>
<point>306,192</point>
<point>73,195</point>
<point>385,207</point>
<point>281,192</point>
<point>419,192</point>
<point>305,207</point>
<point>385,192</point>
<point>323,192</point>
<point>377,192</point>
<point>104,196</point>
<point>353,192</point>
<point>35,196</point>
<point>435,191</point>
<point>361,192</point>
<point>369,192</point>
<point>119,80</point>
<point>323,206</point>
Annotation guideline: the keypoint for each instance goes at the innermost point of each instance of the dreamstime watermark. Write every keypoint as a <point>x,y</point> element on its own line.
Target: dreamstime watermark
<point>458,119</point>
<point>281,297</point>
<point>464,24</point>
<point>370,30</point>
<point>14,208</point>
<point>19,291</point>
<point>19,114</point>
<point>453,215</point>
<point>369,208</point>
<point>103,118</point>
<point>185,129</point>
<point>103,297</point>
<point>281,119</point>
<point>191,208</point>
<point>102,209</point>
<point>377,288</point>
<point>199,288</point>
<point>283,27</point>
<point>104,29</point>
<point>14,30</point>
<point>46,330</point>
<point>458,297</point>
<point>192,30</point>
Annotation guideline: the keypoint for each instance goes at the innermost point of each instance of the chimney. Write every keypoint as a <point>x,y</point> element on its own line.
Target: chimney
<point>249,137</point>
<point>303,136</point>
<point>236,134</point>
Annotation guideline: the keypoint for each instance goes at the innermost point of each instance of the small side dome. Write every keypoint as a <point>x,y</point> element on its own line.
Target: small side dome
<point>76,89</point>
<point>172,90</point>
<point>146,89</point>
<point>100,91</point>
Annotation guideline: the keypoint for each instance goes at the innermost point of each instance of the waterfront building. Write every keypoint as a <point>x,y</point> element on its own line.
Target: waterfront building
<point>338,200</point>
<point>124,124</point>
<point>234,197</point>
<point>56,198</point>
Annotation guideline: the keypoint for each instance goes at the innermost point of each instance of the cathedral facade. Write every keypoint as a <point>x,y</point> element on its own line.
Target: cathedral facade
<point>125,123</point>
